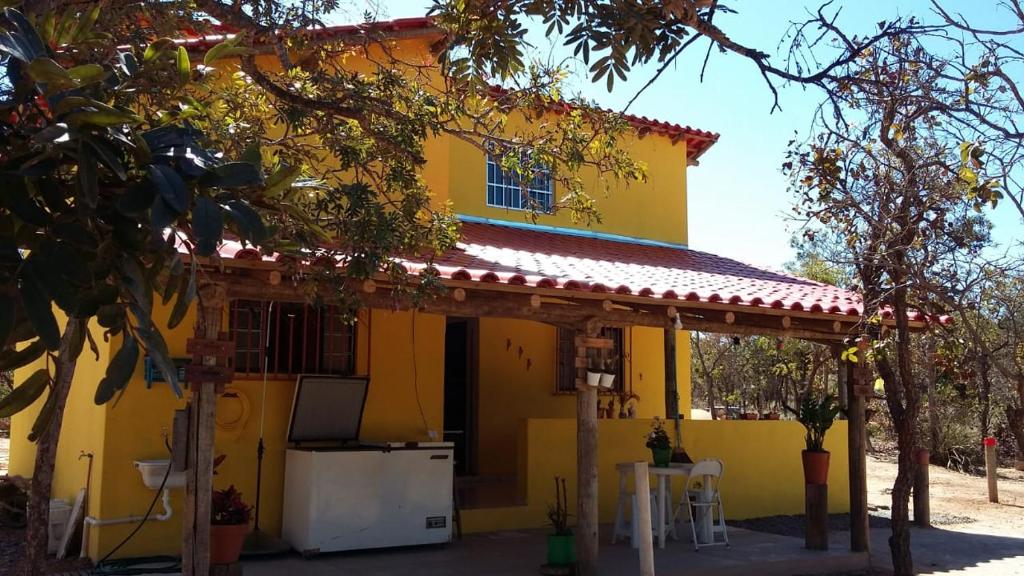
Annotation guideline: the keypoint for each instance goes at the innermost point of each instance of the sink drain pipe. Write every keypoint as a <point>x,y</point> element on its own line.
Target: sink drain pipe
<point>162,517</point>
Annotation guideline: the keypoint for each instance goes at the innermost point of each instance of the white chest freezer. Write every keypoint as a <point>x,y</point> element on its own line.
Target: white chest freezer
<point>356,496</point>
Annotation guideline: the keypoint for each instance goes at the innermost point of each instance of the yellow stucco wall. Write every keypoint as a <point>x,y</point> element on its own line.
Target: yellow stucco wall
<point>135,428</point>
<point>763,473</point>
<point>655,209</point>
<point>517,381</point>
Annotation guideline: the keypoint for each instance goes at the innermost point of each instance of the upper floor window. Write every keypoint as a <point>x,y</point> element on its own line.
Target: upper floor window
<point>506,189</point>
<point>288,338</point>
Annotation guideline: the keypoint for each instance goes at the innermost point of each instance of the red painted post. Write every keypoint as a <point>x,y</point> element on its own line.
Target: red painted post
<point>991,464</point>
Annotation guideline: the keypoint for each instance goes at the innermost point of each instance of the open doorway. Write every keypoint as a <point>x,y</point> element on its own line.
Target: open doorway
<point>460,392</point>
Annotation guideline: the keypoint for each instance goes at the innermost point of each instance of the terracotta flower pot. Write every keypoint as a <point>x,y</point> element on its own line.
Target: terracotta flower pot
<point>815,467</point>
<point>774,415</point>
<point>226,542</point>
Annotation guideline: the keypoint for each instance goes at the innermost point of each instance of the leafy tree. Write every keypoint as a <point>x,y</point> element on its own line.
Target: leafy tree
<point>890,192</point>
<point>113,161</point>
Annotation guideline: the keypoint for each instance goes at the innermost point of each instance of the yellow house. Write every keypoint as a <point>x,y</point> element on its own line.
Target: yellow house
<point>492,367</point>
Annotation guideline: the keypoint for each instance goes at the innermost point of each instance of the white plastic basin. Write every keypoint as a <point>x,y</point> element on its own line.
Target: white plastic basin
<point>153,473</point>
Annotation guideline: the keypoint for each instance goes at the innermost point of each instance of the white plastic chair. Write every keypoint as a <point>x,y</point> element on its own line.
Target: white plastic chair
<point>710,472</point>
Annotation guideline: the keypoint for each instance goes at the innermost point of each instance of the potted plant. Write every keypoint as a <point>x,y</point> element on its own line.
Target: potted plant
<point>817,416</point>
<point>561,544</point>
<point>659,443</point>
<point>608,373</point>
<point>624,403</point>
<point>229,525</point>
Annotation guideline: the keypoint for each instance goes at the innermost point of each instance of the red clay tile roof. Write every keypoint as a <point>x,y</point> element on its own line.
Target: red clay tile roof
<point>529,257</point>
<point>521,256</point>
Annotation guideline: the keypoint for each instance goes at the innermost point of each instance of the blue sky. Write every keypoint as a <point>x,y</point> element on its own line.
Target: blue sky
<point>738,203</point>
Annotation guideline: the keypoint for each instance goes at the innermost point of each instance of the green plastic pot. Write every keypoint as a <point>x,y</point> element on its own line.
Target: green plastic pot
<point>661,456</point>
<point>561,550</point>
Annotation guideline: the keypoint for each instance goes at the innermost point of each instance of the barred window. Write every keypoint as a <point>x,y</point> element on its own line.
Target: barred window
<point>506,189</point>
<point>566,377</point>
<point>288,338</point>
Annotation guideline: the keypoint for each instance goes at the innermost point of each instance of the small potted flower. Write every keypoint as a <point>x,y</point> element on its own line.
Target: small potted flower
<point>561,544</point>
<point>607,380</point>
<point>659,443</point>
<point>229,525</point>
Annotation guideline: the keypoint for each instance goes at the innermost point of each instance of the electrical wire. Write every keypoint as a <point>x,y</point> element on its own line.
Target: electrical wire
<point>415,378</point>
<point>145,517</point>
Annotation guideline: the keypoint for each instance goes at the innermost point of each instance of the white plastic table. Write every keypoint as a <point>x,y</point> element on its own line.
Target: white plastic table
<point>664,492</point>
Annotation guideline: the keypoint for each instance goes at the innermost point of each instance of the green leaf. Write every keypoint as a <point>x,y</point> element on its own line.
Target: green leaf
<point>11,359</point>
<point>156,347</point>
<point>8,316</point>
<point>248,221</point>
<point>88,73</point>
<point>37,308</point>
<point>282,179</point>
<point>171,187</point>
<point>44,418</point>
<point>173,278</point>
<point>102,118</point>
<point>131,275</point>
<point>16,197</point>
<point>232,175</point>
<point>25,394</point>
<point>47,71</point>
<point>184,67</point>
<point>226,49</point>
<point>157,48</point>
<point>119,371</point>
<point>136,200</point>
<point>207,225</point>
<point>88,176</point>
<point>85,25</point>
<point>186,294</point>
<point>252,154</point>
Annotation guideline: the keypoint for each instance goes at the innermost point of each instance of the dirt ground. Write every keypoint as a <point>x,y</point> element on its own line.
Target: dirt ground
<point>958,501</point>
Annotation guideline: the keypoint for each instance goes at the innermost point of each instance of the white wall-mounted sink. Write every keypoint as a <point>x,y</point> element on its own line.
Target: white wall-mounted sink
<point>153,471</point>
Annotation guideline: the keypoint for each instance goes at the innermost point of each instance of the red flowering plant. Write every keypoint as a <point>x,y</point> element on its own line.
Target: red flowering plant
<point>228,509</point>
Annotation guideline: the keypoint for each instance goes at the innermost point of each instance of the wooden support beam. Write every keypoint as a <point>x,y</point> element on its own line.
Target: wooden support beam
<point>645,539</point>
<point>922,504</point>
<point>459,295</point>
<point>859,374</point>
<point>816,516</point>
<point>787,322</point>
<point>586,474</point>
<point>671,379</point>
<point>369,286</point>
<point>528,306</point>
<point>202,424</point>
<point>274,278</point>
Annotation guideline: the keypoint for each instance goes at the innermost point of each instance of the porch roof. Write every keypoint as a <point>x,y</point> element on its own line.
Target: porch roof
<point>579,262</point>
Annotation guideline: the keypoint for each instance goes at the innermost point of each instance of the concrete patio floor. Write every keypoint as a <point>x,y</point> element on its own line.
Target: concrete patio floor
<point>521,553</point>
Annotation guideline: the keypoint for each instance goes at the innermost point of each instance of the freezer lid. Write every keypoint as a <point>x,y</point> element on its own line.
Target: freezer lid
<point>327,408</point>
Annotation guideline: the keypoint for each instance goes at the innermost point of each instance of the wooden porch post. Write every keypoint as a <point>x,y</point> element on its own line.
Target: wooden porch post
<point>195,554</point>
<point>859,375</point>
<point>586,467</point>
<point>671,381</point>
